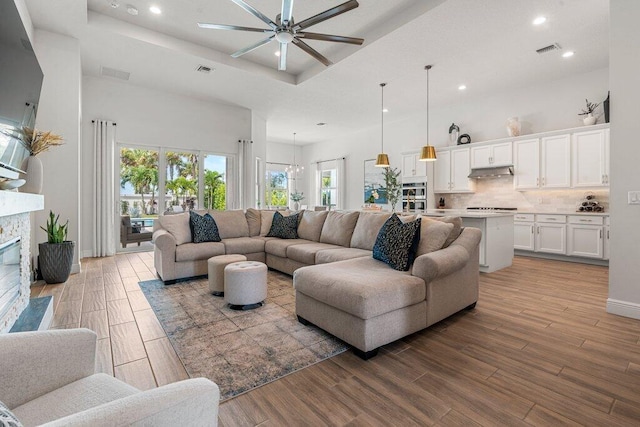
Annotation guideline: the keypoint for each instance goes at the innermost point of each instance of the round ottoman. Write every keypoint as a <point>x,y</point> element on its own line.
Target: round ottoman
<point>245,284</point>
<point>215,266</point>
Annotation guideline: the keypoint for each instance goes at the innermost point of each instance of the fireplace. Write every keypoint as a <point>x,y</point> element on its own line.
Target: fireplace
<point>10,277</point>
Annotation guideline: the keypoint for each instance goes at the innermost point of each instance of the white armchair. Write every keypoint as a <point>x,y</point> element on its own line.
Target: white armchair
<point>48,378</point>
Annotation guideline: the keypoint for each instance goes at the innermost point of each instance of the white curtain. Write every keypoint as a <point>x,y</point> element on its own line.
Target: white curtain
<point>342,183</point>
<point>104,136</point>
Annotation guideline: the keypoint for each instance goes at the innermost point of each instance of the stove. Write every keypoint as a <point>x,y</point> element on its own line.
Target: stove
<point>489,208</point>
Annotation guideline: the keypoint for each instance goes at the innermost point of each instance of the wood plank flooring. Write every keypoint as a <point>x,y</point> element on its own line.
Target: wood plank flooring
<point>539,349</point>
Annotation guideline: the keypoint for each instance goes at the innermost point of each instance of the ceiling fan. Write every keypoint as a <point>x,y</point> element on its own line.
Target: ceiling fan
<point>285,31</point>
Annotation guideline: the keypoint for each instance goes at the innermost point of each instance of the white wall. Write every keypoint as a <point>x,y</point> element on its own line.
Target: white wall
<point>545,107</point>
<point>154,118</point>
<point>624,269</point>
<point>59,111</point>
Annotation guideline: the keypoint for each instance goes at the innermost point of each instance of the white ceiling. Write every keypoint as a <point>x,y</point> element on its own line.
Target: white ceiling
<point>489,45</point>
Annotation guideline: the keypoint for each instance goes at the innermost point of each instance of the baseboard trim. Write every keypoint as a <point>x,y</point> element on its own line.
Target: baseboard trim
<point>557,257</point>
<point>623,308</point>
<point>87,254</point>
<point>75,268</point>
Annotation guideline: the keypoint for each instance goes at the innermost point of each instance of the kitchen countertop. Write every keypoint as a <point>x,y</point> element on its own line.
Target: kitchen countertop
<point>465,213</point>
<point>524,211</point>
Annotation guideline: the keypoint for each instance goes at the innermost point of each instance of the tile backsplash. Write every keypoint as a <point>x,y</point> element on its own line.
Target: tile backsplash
<point>499,192</point>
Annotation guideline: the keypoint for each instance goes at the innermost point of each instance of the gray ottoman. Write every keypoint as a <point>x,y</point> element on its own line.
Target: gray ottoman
<point>245,284</point>
<point>215,266</point>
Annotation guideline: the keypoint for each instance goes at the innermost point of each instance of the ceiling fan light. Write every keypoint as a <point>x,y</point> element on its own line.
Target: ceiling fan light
<point>428,154</point>
<point>284,37</point>
<point>382,161</point>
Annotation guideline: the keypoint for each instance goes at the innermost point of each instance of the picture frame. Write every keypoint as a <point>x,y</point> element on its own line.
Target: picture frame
<point>374,181</point>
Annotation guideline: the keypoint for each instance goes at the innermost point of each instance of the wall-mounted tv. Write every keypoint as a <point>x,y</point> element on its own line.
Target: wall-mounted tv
<point>20,84</point>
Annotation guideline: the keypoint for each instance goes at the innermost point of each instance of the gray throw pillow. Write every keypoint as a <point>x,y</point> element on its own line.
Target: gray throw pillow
<point>7,419</point>
<point>397,243</point>
<point>203,228</point>
<point>284,227</point>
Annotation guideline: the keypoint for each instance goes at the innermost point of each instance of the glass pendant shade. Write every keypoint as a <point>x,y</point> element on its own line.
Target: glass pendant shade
<point>382,161</point>
<point>428,153</point>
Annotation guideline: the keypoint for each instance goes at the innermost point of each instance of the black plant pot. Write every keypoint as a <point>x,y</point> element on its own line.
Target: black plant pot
<point>56,260</point>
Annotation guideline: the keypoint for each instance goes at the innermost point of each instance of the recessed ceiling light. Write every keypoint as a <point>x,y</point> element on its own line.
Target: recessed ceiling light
<point>568,54</point>
<point>156,10</point>
<point>321,124</point>
<point>539,20</point>
<point>277,53</point>
<point>114,4</point>
<point>462,87</point>
<point>385,110</point>
<point>132,10</point>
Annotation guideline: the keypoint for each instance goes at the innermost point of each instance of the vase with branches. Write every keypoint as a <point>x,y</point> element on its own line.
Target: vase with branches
<point>393,185</point>
<point>36,142</point>
<point>589,118</point>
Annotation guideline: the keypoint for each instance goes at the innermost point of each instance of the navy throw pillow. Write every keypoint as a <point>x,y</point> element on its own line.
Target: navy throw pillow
<point>203,228</point>
<point>284,227</point>
<point>397,243</point>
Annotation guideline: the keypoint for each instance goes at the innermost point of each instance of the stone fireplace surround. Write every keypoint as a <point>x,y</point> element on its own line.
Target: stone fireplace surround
<point>15,221</point>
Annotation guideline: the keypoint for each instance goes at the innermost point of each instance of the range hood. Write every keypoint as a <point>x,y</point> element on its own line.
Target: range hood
<point>492,172</point>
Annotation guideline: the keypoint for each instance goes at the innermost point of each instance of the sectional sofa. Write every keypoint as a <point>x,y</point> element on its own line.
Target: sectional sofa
<point>340,287</point>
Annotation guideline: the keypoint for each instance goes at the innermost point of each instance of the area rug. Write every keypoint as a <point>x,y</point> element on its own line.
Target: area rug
<point>238,350</point>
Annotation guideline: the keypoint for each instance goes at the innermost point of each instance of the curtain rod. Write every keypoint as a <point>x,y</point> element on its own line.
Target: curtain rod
<point>114,123</point>
<point>329,160</point>
<point>278,163</point>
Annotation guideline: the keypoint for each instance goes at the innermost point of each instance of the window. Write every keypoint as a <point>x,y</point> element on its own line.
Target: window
<point>181,180</point>
<point>277,186</point>
<point>138,182</point>
<point>330,183</point>
<point>215,182</point>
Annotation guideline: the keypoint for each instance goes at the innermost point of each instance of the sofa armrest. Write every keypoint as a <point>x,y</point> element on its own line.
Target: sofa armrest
<point>35,363</point>
<point>164,240</point>
<point>446,261</point>
<point>186,403</point>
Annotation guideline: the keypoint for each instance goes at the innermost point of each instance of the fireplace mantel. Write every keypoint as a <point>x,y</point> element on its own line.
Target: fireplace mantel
<point>12,203</point>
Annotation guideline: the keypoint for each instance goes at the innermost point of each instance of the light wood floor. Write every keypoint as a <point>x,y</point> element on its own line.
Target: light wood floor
<point>539,349</point>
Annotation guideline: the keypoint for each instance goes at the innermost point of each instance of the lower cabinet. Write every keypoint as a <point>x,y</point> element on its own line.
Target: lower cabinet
<point>586,240</point>
<point>605,251</point>
<point>551,238</point>
<point>524,236</point>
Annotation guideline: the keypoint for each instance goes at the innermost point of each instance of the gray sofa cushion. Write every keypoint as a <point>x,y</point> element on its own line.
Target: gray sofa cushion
<point>279,247</point>
<point>307,253</point>
<point>338,228</point>
<point>203,228</point>
<point>455,232</point>
<point>243,245</point>
<point>433,234</point>
<point>231,223</point>
<point>266,218</point>
<point>178,226</point>
<point>363,287</point>
<point>366,229</point>
<point>311,224</point>
<point>397,243</point>
<point>332,255</point>
<point>284,227</point>
<point>253,221</point>
<point>198,251</point>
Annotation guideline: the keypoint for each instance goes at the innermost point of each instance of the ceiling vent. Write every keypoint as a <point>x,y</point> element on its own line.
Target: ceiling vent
<point>549,48</point>
<point>204,69</point>
<point>112,72</point>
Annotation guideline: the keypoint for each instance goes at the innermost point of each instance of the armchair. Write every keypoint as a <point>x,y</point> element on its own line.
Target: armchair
<point>132,234</point>
<point>48,378</point>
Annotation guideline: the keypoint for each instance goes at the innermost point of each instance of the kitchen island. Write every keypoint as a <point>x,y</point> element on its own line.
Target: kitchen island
<point>496,246</point>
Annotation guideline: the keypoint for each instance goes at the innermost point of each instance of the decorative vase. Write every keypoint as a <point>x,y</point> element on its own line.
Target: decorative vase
<point>296,206</point>
<point>589,120</point>
<point>55,261</point>
<point>513,126</point>
<point>32,165</point>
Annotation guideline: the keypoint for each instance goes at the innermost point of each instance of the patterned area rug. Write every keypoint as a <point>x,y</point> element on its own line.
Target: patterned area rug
<point>238,350</point>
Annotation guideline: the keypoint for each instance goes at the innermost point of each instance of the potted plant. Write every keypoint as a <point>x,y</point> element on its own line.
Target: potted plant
<point>297,198</point>
<point>589,118</point>
<point>393,185</point>
<point>36,142</point>
<point>56,255</point>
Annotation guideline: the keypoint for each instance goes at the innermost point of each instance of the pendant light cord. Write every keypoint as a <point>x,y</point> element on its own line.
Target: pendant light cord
<point>427,67</point>
<point>382,85</point>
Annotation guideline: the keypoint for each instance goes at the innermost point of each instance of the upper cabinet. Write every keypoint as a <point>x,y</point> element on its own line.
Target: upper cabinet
<point>491,155</point>
<point>590,158</point>
<point>542,163</point>
<point>413,168</point>
<point>451,171</point>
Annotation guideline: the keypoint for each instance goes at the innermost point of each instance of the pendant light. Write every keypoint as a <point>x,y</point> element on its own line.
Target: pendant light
<point>383,160</point>
<point>428,152</point>
<point>294,168</point>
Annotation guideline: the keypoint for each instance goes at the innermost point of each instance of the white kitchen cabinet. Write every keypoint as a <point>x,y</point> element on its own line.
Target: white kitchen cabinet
<point>555,165</point>
<point>606,245</point>
<point>524,235</point>
<point>526,164</point>
<point>585,240</point>
<point>490,155</point>
<point>590,158</point>
<point>412,167</point>
<point>496,250</point>
<point>451,171</point>
<point>551,234</point>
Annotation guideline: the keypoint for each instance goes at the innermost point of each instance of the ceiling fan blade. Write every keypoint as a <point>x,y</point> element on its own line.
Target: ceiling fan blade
<point>344,7</point>
<point>255,12</point>
<point>287,10</point>
<point>330,38</point>
<point>311,51</point>
<point>282,63</point>
<point>252,47</point>
<point>233,27</point>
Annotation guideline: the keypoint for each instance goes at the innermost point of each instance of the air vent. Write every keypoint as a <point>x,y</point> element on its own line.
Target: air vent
<point>204,69</point>
<point>549,48</point>
<point>112,72</point>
